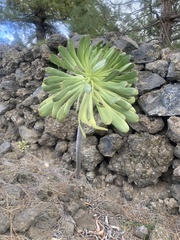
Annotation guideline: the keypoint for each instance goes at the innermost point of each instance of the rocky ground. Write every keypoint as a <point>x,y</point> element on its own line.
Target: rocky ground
<point>130,184</point>
<point>40,200</point>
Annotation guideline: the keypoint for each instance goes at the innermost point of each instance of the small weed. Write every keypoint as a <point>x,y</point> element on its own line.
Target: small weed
<point>23,145</point>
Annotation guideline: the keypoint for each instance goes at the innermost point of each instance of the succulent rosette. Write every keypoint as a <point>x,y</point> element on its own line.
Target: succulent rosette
<point>93,76</point>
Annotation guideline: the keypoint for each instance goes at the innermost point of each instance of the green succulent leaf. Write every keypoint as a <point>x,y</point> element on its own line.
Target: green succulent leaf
<point>94,76</point>
<point>55,59</point>
<point>111,76</point>
<point>99,65</point>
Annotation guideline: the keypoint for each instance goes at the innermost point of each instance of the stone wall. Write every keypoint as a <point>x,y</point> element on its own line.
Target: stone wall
<point>149,152</point>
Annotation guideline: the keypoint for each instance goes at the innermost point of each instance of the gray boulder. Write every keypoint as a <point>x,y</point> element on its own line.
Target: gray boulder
<point>143,158</point>
<point>125,44</point>
<point>148,81</point>
<point>159,66</point>
<point>177,150</point>
<point>43,215</point>
<point>174,129</point>
<point>89,153</point>
<point>61,130</point>
<point>110,144</point>
<point>176,174</point>
<point>148,124</point>
<point>55,40</point>
<point>45,52</point>
<point>29,135</point>
<point>23,73</point>
<point>5,147</point>
<point>11,60</point>
<point>162,102</point>
<point>3,107</point>
<point>174,67</point>
<point>8,83</point>
<point>146,53</point>
<point>29,54</point>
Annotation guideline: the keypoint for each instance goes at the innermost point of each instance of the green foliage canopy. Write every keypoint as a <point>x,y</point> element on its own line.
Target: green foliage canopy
<point>93,18</point>
<point>144,20</point>
<point>84,16</point>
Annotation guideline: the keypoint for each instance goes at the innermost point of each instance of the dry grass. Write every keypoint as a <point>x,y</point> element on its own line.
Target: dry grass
<point>132,215</point>
<point>109,225</point>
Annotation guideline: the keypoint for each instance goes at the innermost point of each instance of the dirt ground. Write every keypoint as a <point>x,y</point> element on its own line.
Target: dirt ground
<point>86,210</point>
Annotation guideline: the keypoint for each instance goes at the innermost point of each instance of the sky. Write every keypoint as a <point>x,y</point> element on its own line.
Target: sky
<point>8,32</point>
<point>5,34</point>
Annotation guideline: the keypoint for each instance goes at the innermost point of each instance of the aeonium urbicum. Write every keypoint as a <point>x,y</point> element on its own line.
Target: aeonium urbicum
<point>96,76</point>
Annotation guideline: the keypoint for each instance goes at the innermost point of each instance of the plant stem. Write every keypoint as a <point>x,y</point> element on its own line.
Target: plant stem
<point>78,152</point>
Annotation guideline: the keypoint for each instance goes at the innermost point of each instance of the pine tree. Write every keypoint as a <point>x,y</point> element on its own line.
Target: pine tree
<point>92,17</point>
<point>85,16</point>
<point>149,19</point>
